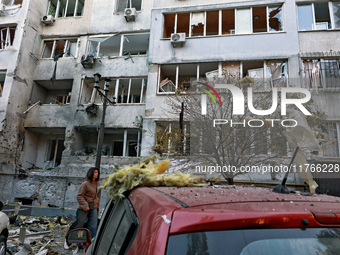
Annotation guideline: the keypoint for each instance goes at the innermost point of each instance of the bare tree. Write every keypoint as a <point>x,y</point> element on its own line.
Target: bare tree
<point>234,140</point>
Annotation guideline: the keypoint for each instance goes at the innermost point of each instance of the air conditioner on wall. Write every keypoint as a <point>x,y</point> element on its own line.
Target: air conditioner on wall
<point>130,14</point>
<point>87,61</point>
<point>47,20</point>
<point>178,40</point>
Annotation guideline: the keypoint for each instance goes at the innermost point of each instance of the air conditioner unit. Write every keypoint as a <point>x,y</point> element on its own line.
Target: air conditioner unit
<point>47,20</point>
<point>178,40</point>
<point>88,61</point>
<point>2,9</point>
<point>130,14</point>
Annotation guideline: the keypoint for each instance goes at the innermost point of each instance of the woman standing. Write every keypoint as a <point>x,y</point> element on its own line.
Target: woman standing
<point>88,198</point>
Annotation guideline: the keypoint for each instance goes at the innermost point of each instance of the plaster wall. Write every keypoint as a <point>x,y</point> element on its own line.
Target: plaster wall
<point>66,26</point>
<point>105,19</point>
<point>316,41</point>
<point>225,47</point>
<point>329,103</point>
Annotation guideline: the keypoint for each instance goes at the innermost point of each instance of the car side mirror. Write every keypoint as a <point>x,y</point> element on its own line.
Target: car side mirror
<point>79,235</point>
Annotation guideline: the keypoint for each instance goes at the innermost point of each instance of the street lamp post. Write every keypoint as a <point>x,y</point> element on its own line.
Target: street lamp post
<point>102,124</point>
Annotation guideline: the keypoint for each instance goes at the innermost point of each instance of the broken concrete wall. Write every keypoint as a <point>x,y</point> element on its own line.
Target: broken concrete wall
<point>18,83</point>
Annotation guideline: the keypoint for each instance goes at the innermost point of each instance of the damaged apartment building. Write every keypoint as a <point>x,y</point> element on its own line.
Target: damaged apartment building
<point>50,110</point>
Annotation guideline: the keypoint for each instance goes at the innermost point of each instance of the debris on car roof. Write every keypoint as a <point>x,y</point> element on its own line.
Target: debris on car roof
<point>147,173</point>
<point>236,194</point>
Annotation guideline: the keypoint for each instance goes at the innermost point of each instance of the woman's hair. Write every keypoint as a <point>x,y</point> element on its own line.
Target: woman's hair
<point>89,174</point>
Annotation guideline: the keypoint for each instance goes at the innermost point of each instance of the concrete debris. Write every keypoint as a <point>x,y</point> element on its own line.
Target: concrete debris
<point>42,236</point>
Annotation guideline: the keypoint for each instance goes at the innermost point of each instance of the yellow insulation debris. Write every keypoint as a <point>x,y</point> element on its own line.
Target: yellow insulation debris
<point>148,174</point>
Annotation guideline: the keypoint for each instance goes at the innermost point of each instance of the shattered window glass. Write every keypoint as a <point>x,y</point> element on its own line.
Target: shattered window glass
<point>197,23</point>
<point>275,18</point>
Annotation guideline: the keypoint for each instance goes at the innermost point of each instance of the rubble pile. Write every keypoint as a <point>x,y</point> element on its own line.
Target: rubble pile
<point>39,235</point>
<point>147,173</point>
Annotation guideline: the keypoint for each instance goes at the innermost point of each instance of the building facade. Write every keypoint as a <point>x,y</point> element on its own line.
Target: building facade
<point>50,50</point>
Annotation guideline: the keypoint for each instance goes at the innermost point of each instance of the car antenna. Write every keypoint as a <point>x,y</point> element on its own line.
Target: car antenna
<point>281,188</point>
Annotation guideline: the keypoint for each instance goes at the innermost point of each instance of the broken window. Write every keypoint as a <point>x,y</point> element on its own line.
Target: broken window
<point>228,21</point>
<point>318,16</point>
<point>169,25</point>
<point>65,8</point>
<point>6,36</point>
<point>197,23</point>
<point>53,48</point>
<point>222,22</point>
<point>125,91</point>
<point>322,73</point>
<point>2,81</point>
<point>123,4</point>
<point>331,146</point>
<point>186,74</point>
<point>183,21</point>
<point>275,18</point>
<point>171,139</point>
<point>54,151</point>
<point>212,22</point>
<point>259,19</point>
<point>266,74</point>
<point>118,45</point>
<point>130,91</point>
<point>167,78</point>
<point>60,93</point>
<point>116,142</point>
<point>137,44</point>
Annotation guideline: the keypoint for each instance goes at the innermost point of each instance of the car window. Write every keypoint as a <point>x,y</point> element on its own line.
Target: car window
<point>118,230</point>
<point>310,241</point>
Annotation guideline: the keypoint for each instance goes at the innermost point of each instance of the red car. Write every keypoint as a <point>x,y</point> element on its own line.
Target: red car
<point>217,220</point>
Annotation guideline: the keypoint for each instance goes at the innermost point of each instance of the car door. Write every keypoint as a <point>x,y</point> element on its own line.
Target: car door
<point>116,230</point>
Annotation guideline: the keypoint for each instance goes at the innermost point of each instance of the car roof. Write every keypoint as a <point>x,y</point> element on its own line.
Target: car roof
<point>164,211</point>
<point>197,196</point>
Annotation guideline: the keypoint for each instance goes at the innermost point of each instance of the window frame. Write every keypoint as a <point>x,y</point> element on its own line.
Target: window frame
<point>220,22</point>
<point>129,3</point>
<point>66,46</point>
<point>109,214</point>
<point>65,11</point>
<point>50,149</point>
<point>8,41</point>
<point>2,83</point>
<point>331,16</point>
<point>121,45</point>
<point>219,71</point>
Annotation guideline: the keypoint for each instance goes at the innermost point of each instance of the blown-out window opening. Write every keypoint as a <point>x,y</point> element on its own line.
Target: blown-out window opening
<point>66,8</point>
<point>6,37</point>
<point>265,73</point>
<point>53,48</point>
<point>118,45</point>
<point>257,19</point>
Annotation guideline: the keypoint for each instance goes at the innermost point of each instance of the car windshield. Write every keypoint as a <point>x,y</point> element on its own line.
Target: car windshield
<point>310,241</point>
